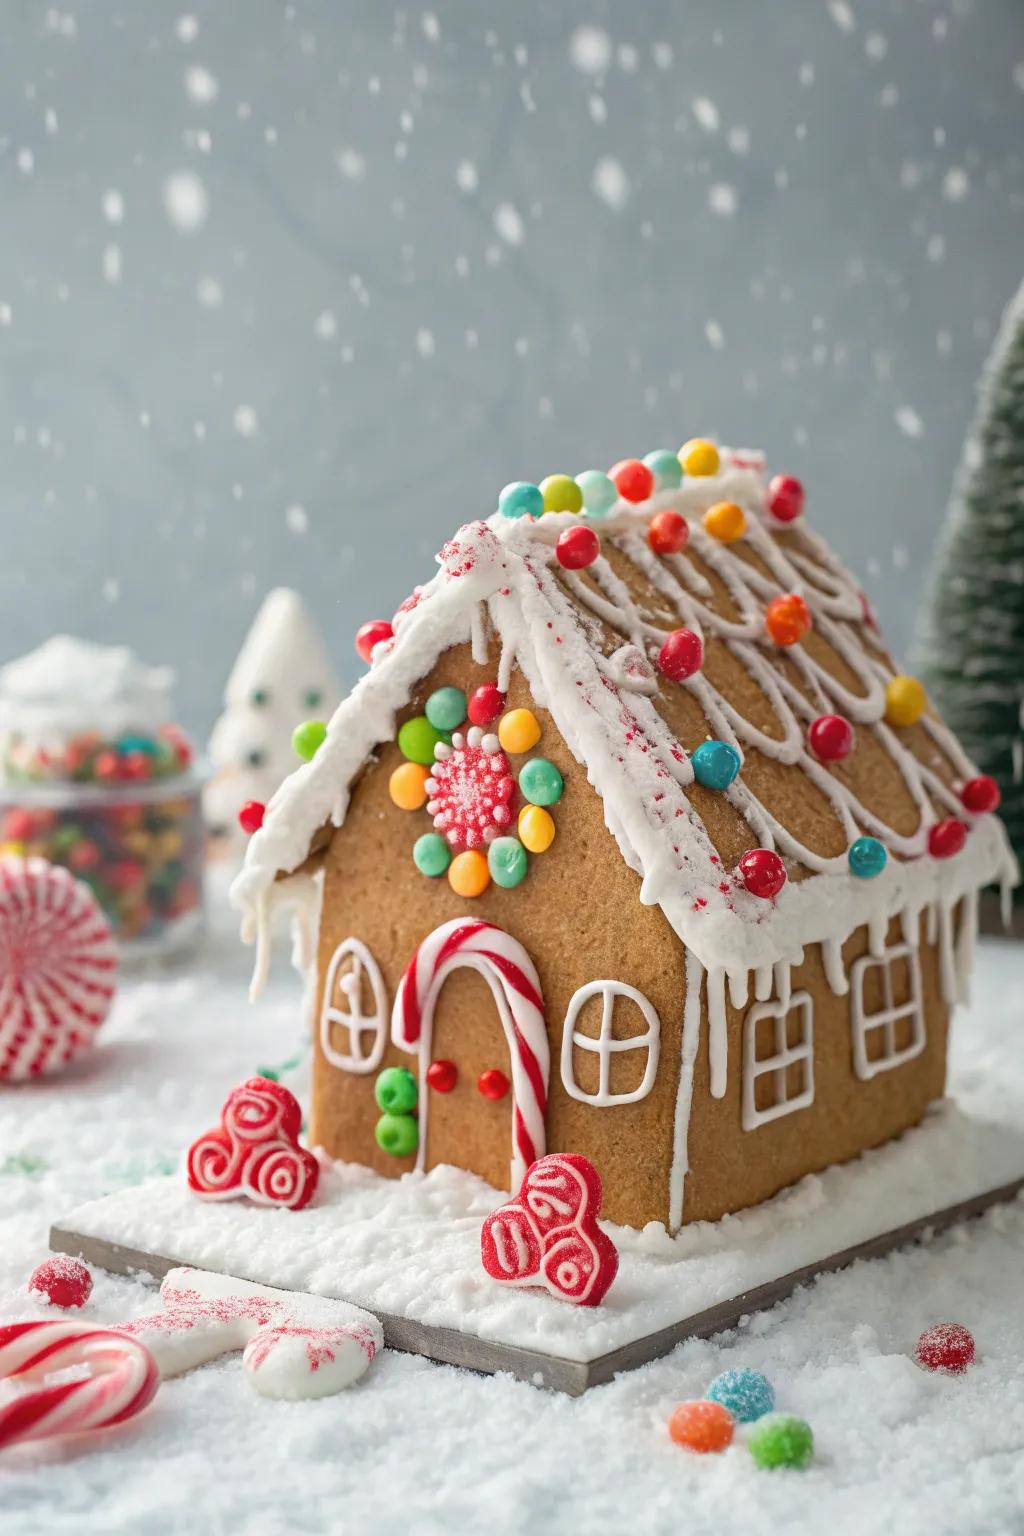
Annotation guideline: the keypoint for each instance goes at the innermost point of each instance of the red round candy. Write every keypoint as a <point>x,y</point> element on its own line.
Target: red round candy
<point>830,738</point>
<point>493,1084</point>
<point>64,1281</point>
<point>126,875</point>
<point>632,479</point>
<point>84,856</point>
<point>107,765</point>
<point>485,704</point>
<point>946,838</point>
<point>681,655</point>
<point>19,824</point>
<point>442,1076</point>
<point>785,498</point>
<point>762,872</point>
<point>945,1347</point>
<point>787,619</point>
<point>577,547</point>
<point>250,817</point>
<point>137,765</point>
<point>667,533</point>
<point>981,794</point>
<point>370,634</point>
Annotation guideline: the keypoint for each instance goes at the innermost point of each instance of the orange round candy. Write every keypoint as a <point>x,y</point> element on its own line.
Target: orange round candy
<point>725,521</point>
<point>468,874</point>
<point>407,786</point>
<point>701,1426</point>
<point>787,619</point>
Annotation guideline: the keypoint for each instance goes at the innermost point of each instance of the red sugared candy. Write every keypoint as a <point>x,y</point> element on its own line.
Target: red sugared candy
<point>785,499</point>
<point>633,480</point>
<point>442,1076</point>
<point>762,872</point>
<point>250,817</point>
<point>64,1281</point>
<point>830,738</point>
<point>667,532</point>
<point>787,619</point>
<point>981,795</point>
<point>945,1347</point>
<point>493,1084</point>
<point>577,547</point>
<point>370,634</point>
<point>681,655</point>
<point>485,703</point>
<point>946,838</point>
<point>701,1426</point>
<point>255,1150</point>
<point>548,1235</point>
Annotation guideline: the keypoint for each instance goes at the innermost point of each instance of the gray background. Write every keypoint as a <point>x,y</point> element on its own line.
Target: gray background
<point>440,252</point>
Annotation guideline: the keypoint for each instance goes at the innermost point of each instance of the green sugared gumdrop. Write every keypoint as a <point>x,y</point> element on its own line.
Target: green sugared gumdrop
<point>397,1135</point>
<point>781,1441</point>
<point>395,1091</point>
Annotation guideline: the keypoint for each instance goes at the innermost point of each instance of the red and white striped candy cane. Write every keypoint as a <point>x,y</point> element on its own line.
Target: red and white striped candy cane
<point>123,1379</point>
<point>515,985</point>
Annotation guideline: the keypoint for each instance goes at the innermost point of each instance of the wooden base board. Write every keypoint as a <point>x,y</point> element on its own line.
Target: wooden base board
<point>450,1347</point>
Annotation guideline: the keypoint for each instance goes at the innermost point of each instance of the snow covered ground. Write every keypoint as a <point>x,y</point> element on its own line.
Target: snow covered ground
<point>418,1448</point>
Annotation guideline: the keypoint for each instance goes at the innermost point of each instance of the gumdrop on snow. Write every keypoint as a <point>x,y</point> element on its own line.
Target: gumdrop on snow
<point>947,1347</point>
<point>746,1393</point>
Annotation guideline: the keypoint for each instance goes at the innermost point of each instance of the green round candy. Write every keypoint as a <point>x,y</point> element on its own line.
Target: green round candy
<point>507,861</point>
<point>446,709</point>
<point>541,782</point>
<point>431,854</point>
<point>397,1135</point>
<point>308,738</point>
<point>417,740</point>
<point>665,467</point>
<point>395,1091</point>
<point>779,1440</point>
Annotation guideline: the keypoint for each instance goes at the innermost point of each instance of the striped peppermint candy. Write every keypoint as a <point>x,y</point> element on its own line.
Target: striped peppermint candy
<point>515,986</point>
<point>57,967</point>
<point>123,1379</point>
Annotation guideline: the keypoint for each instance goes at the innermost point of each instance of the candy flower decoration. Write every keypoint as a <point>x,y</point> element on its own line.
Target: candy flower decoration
<point>547,1235</point>
<point>577,548</point>
<point>633,479</point>
<point>255,1151</point>
<point>375,632</point>
<point>681,654</point>
<point>699,457</point>
<point>785,500</point>
<point>867,858</point>
<point>667,532</point>
<point>762,872</point>
<point>787,619</point>
<point>471,789</point>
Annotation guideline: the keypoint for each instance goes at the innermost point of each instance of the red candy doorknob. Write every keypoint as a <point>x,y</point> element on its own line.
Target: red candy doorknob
<point>548,1235</point>
<point>255,1150</point>
<point>442,1076</point>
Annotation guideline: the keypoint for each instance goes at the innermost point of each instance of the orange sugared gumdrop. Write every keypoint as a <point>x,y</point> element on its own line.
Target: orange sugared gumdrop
<point>701,1426</point>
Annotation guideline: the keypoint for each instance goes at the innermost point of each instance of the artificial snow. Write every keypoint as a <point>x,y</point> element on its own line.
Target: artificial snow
<point>417,1449</point>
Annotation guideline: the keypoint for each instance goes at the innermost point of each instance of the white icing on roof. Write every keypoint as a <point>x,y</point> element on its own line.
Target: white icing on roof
<point>504,568</point>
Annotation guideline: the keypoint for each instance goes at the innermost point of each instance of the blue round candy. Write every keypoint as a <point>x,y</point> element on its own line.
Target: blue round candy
<point>665,467</point>
<point>715,764</point>
<point>599,492</point>
<point>144,744</point>
<point>867,858</point>
<point>540,782</point>
<point>746,1393</point>
<point>521,499</point>
<point>446,709</point>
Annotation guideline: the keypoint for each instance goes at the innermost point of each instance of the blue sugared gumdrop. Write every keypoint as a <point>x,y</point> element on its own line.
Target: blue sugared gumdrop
<point>746,1393</point>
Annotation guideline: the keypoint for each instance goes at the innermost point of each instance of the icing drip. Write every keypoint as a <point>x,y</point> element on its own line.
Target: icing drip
<point>718,1033</point>
<point>835,971</point>
<point>684,1091</point>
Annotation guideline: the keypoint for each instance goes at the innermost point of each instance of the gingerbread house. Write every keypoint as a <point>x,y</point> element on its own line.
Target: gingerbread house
<point>632,842</point>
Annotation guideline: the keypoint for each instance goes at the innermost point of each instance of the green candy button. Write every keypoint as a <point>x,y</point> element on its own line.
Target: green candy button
<point>308,738</point>
<point>541,782</point>
<point>431,854</point>
<point>395,1091</point>
<point>781,1441</point>
<point>507,861</point>
<point>397,1135</point>
<point>446,709</point>
<point>417,740</point>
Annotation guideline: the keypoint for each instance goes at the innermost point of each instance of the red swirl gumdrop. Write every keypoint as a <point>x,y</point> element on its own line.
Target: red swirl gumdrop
<point>548,1234</point>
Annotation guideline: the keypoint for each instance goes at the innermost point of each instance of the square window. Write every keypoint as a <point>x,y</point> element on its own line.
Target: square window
<point>778,1078</point>
<point>886,1019</point>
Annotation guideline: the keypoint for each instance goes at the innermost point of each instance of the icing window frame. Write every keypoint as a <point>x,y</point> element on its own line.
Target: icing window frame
<point>605,1046</point>
<point>889,1015</point>
<point>785,1056</point>
<point>354,1021</point>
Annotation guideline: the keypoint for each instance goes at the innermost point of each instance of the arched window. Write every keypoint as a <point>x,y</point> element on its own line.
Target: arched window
<point>778,1059</point>
<point>885,1010</point>
<point>354,1016</point>
<point>606,1045</point>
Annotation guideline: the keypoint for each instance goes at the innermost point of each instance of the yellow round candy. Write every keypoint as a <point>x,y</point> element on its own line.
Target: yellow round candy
<point>519,730</point>
<point>561,494</point>
<point>725,521</point>
<point>407,786</point>
<point>536,828</point>
<point>468,874</point>
<point>905,700</point>
<point>699,457</point>
<point>13,845</point>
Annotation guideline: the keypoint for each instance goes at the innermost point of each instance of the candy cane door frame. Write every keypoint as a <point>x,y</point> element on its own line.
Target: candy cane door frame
<point>515,987</point>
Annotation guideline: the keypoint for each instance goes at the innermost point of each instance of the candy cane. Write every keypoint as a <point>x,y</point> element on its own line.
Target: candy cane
<point>515,985</point>
<point>123,1380</point>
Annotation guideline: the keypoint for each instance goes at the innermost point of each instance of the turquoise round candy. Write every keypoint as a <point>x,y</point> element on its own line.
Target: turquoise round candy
<point>431,854</point>
<point>867,858</point>
<point>308,738</point>
<point>521,499</point>
<point>746,1393</point>
<point>599,492</point>
<point>446,709</point>
<point>665,467</point>
<point>507,861</point>
<point>715,764</point>
<point>144,744</point>
<point>395,1091</point>
<point>541,782</point>
<point>781,1441</point>
<point>417,740</point>
<point>397,1135</point>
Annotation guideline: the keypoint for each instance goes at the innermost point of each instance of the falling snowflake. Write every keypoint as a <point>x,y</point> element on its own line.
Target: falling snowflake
<point>201,86</point>
<point>425,344</point>
<point>351,164</point>
<point>715,335</point>
<point>909,422</point>
<point>590,50</point>
<point>209,293</point>
<point>112,204</point>
<point>955,184</point>
<point>185,201</point>
<point>722,199</point>
<point>610,183</point>
<point>466,177</point>
<point>112,264</point>
<point>707,114</point>
<point>296,519</point>
<point>508,223</point>
<point>246,422</point>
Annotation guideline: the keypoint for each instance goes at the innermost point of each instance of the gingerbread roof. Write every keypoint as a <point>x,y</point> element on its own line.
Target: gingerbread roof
<point>589,641</point>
